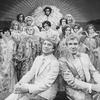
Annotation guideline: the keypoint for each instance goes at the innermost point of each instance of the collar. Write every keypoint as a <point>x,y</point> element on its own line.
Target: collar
<point>47,57</point>
<point>77,55</point>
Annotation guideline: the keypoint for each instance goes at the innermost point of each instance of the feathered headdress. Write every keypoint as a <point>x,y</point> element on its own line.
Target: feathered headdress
<point>31,18</point>
<point>39,15</point>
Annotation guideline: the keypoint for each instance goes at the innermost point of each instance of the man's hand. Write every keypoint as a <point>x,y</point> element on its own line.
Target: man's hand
<point>21,88</point>
<point>96,87</point>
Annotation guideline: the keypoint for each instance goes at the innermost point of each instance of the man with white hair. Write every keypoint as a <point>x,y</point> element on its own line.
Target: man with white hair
<point>79,73</point>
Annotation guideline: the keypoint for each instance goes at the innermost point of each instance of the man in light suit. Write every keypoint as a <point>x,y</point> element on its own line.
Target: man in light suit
<point>44,71</point>
<point>79,73</point>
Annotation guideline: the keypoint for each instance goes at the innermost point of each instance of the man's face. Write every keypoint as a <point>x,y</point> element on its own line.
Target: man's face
<point>47,47</point>
<point>47,12</point>
<point>73,46</point>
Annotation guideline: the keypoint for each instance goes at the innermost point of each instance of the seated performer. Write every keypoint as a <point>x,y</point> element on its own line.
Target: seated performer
<point>44,71</point>
<point>79,73</point>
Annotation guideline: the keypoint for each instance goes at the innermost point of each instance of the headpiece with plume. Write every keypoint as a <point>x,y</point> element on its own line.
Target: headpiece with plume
<point>40,17</point>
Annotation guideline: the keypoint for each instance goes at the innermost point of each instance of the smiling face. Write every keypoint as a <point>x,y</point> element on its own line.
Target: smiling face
<point>46,26</point>
<point>20,48</point>
<point>90,29</point>
<point>63,22</point>
<point>73,46</point>
<point>21,18</point>
<point>15,26</point>
<point>7,33</point>
<point>67,31</point>
<point>29,21</point>
<point>76,29</point>
<point>47,47</point>
<point>69,18</point>
<point>47,12</point>
<point>30,30</point>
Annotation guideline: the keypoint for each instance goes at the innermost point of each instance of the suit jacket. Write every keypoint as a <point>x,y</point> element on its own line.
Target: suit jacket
<point>44,77</point>
<point>77,87</point>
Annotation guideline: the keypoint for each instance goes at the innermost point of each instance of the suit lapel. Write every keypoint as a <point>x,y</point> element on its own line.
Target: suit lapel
<point>39,61</point>
<point>47,62</point>
<point>85,68</point>
<point>72,67</point>
<point>76,66</point>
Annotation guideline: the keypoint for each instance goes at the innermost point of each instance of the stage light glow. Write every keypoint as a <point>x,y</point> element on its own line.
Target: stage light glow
<point>27,6</point>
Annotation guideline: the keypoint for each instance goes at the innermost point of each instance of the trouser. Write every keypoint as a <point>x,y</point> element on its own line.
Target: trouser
<point>27,97</point>
<point>93,96</point>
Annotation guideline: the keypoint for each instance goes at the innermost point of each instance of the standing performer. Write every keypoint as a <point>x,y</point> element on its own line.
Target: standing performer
<point>47,12</point>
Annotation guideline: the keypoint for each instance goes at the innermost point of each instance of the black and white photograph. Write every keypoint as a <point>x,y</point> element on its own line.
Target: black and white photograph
<point>49,49</point>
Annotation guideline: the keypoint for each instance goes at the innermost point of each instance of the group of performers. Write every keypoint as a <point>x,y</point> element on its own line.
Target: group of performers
<point>22,42</point>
